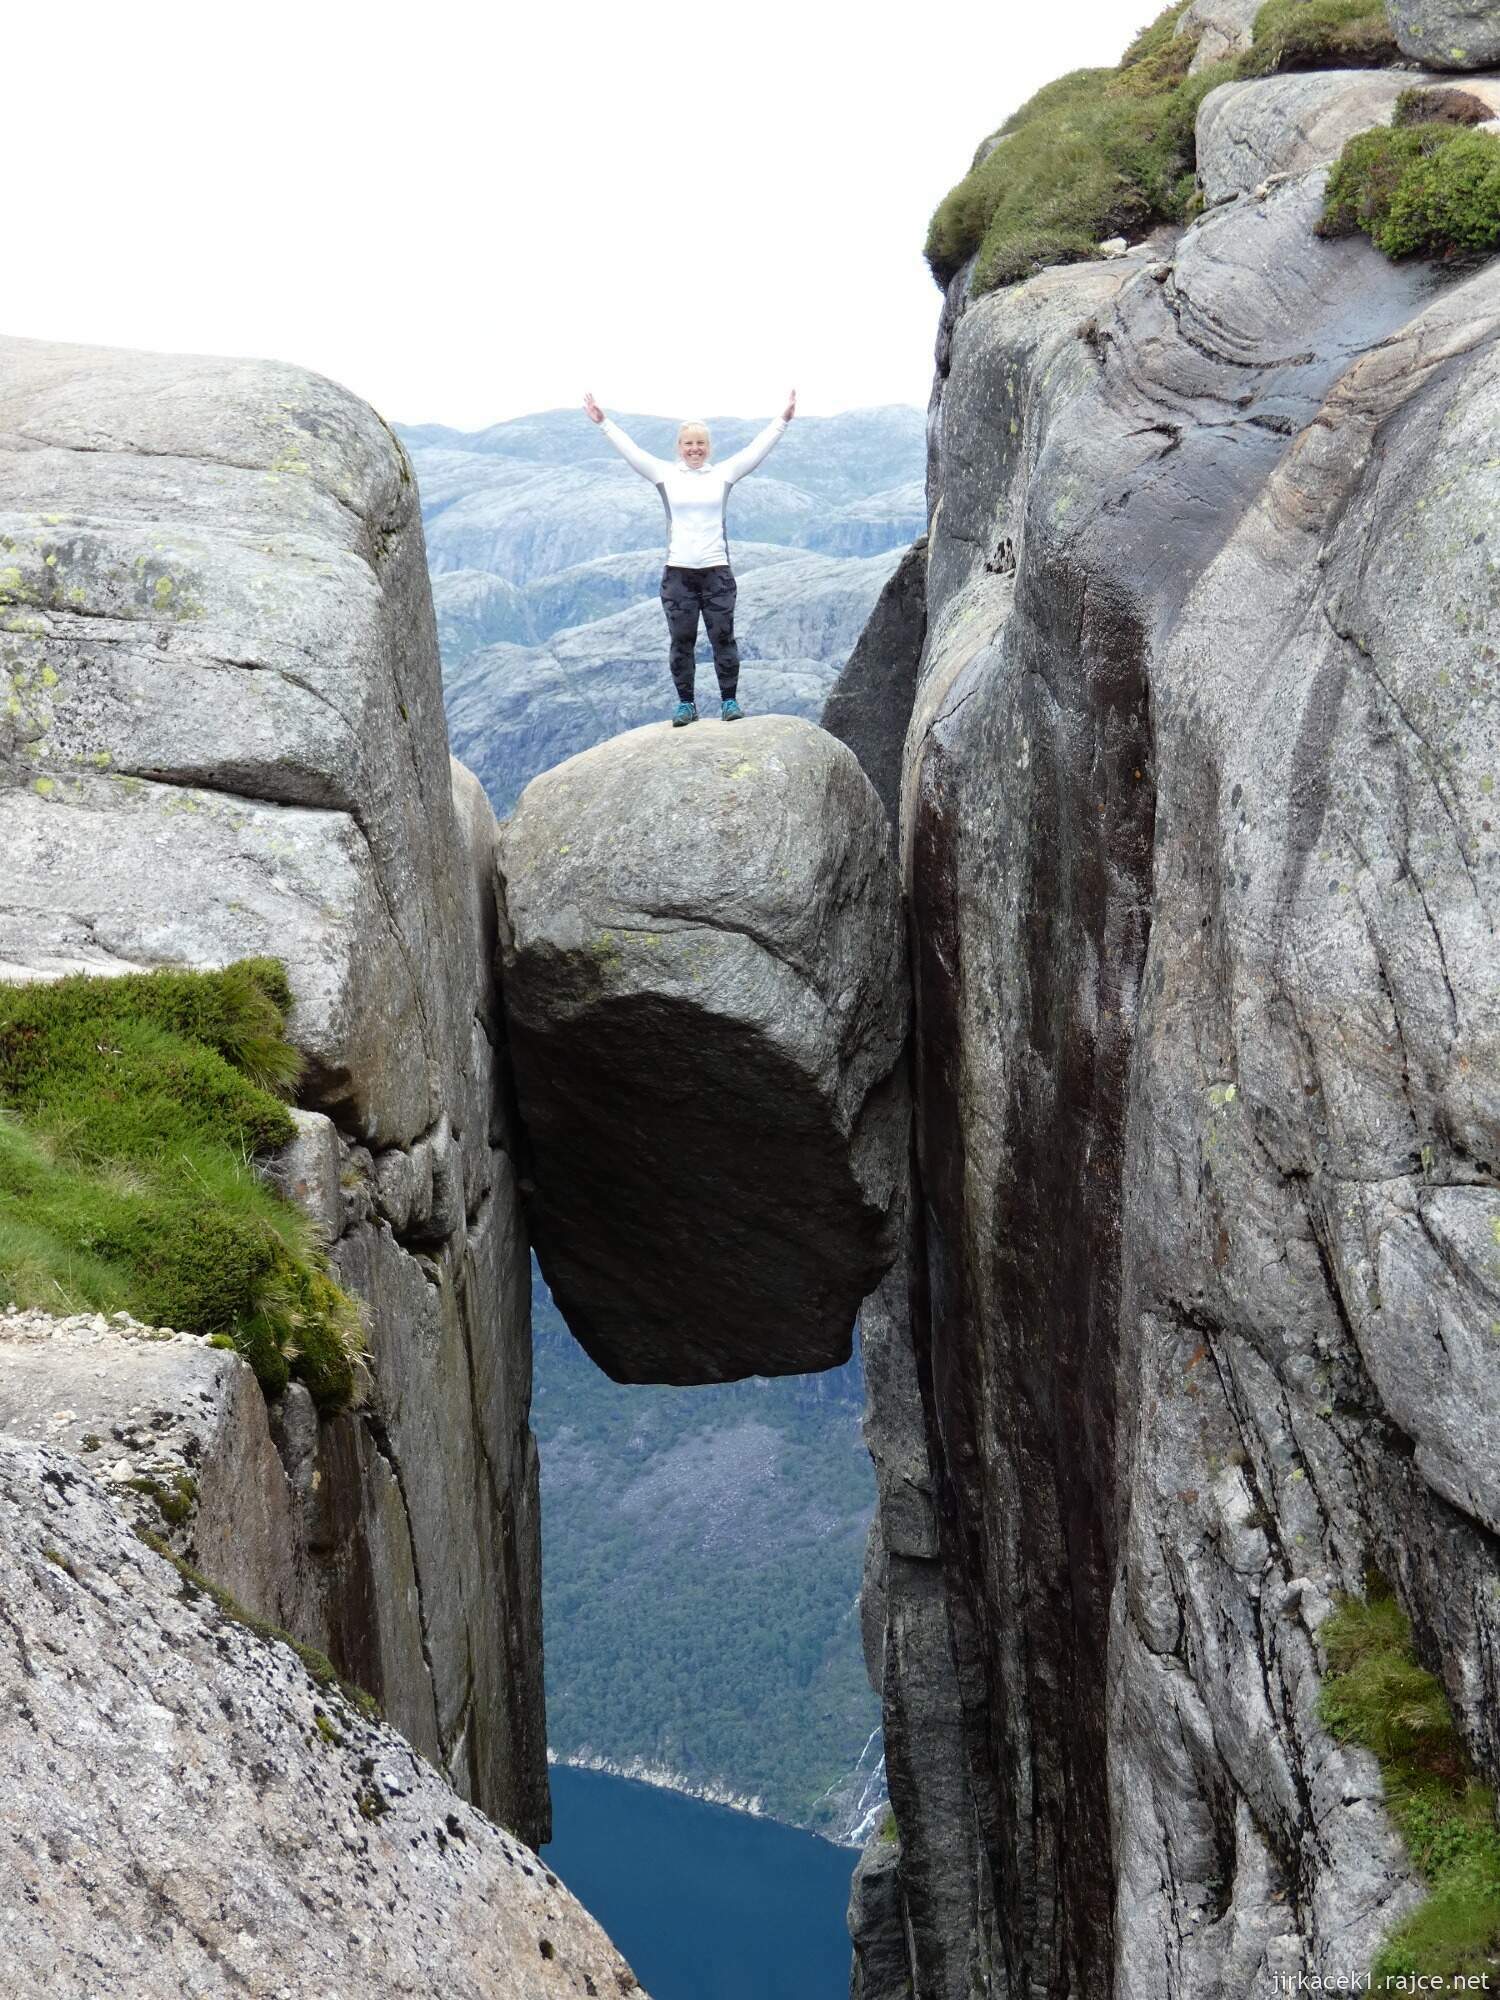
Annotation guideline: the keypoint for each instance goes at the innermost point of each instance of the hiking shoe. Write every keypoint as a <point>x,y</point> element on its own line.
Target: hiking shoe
<point>685,711</point>
<point>732,712</point>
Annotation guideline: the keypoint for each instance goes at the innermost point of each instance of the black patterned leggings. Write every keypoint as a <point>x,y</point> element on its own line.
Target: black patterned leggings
<point>684,594</point>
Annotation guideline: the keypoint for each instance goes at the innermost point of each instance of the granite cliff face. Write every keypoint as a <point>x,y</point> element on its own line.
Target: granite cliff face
<point>223,736</point>
<point>1201,866</point>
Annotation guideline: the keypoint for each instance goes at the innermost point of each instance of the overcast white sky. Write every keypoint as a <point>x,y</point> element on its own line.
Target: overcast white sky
<point>466,215</point>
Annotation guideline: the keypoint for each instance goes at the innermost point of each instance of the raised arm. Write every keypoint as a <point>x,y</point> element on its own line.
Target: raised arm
<point>744,461</point>
<point>640,461</point>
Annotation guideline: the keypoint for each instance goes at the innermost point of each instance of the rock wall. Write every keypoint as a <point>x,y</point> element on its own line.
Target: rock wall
<point>223,735</point>
<point>1202,879</point>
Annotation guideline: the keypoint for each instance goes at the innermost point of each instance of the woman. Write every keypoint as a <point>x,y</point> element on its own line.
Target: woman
<point>697,577</point>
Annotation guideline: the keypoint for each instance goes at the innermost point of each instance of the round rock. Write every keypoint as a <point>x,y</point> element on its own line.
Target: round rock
<point>704,975</point>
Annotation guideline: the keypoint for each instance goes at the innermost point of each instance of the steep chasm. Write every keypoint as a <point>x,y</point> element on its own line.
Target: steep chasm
<point>222,736</point>
<point>1201,867</point>
<point>706,1005</point>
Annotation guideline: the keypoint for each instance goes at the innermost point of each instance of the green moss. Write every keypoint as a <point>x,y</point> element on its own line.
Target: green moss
<point>888,1828</point>
<point>130,1112</point>
<point>175,1502</point>
<point>318,1665</point>
<point>1378,1694</point>
<point>1106,152</point>
<point>1097,153</point>
<point>1429,190</point>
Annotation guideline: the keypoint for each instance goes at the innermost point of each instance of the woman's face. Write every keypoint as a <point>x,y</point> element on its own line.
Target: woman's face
<point>692,445</point>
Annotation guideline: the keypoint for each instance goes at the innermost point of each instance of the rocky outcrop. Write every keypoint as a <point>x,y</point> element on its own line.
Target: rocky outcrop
<point>1202,878</point>
<point>871,701</point>
<point>192,1808</point>
<point>1449,34</point>
<point>179,1434</point>
<point>1251,133</point>
<point>1223,28</point>
<point>223,735</point>
<point>706,1008</point>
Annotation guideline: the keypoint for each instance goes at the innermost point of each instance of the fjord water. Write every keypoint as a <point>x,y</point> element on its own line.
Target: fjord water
<point>705,1903</point>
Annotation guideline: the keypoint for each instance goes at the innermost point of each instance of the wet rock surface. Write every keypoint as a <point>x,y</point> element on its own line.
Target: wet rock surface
<point>189,1810</point>
<point>705,997</point>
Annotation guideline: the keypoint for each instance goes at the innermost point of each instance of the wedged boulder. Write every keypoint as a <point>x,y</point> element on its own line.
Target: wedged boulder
<point>704,977</point>
<point>1449,34</point>
<point>191,1808</point>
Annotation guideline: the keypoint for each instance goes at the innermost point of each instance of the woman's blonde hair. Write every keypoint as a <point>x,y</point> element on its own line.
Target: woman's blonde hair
<point>692,424</point>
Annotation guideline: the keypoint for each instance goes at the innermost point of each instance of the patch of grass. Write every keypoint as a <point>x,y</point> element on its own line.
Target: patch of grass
<point>1377,1694</point>
<point>1428,190</point>
<point>1319,34</point>
<point>130,1112</point>
<point>1098,153</point>
<point>1107,152</point>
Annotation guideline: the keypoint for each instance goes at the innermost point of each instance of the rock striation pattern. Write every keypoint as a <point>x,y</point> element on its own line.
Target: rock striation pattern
<point>706,1005</point>
<point>222,734</point>
<point>190,1810</point>
<point>1203,872</point>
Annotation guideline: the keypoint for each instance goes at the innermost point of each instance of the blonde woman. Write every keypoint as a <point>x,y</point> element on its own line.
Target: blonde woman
<point>697,579</point>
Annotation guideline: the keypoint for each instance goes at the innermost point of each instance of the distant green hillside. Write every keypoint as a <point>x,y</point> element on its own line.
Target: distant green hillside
<point>701,1563</point>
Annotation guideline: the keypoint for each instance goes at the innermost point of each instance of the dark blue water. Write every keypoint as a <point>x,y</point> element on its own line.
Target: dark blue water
<point>706,1904</point>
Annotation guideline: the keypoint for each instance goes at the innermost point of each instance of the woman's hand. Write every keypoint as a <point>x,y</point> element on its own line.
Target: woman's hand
<point>791,407</point>
<point>595,413</point>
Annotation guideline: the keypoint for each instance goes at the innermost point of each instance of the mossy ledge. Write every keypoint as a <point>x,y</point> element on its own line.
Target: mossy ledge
<point>131,1110</point>
<point>1106,152</point>
<point>1378,1695</point>
<point>1430,189</point>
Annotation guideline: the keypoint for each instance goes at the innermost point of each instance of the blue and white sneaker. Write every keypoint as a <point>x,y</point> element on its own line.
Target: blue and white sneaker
<point>731,711</point>
<point>685,711</point>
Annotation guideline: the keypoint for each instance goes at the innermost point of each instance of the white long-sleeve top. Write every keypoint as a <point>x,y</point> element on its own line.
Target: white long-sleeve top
<point>696,497</point>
